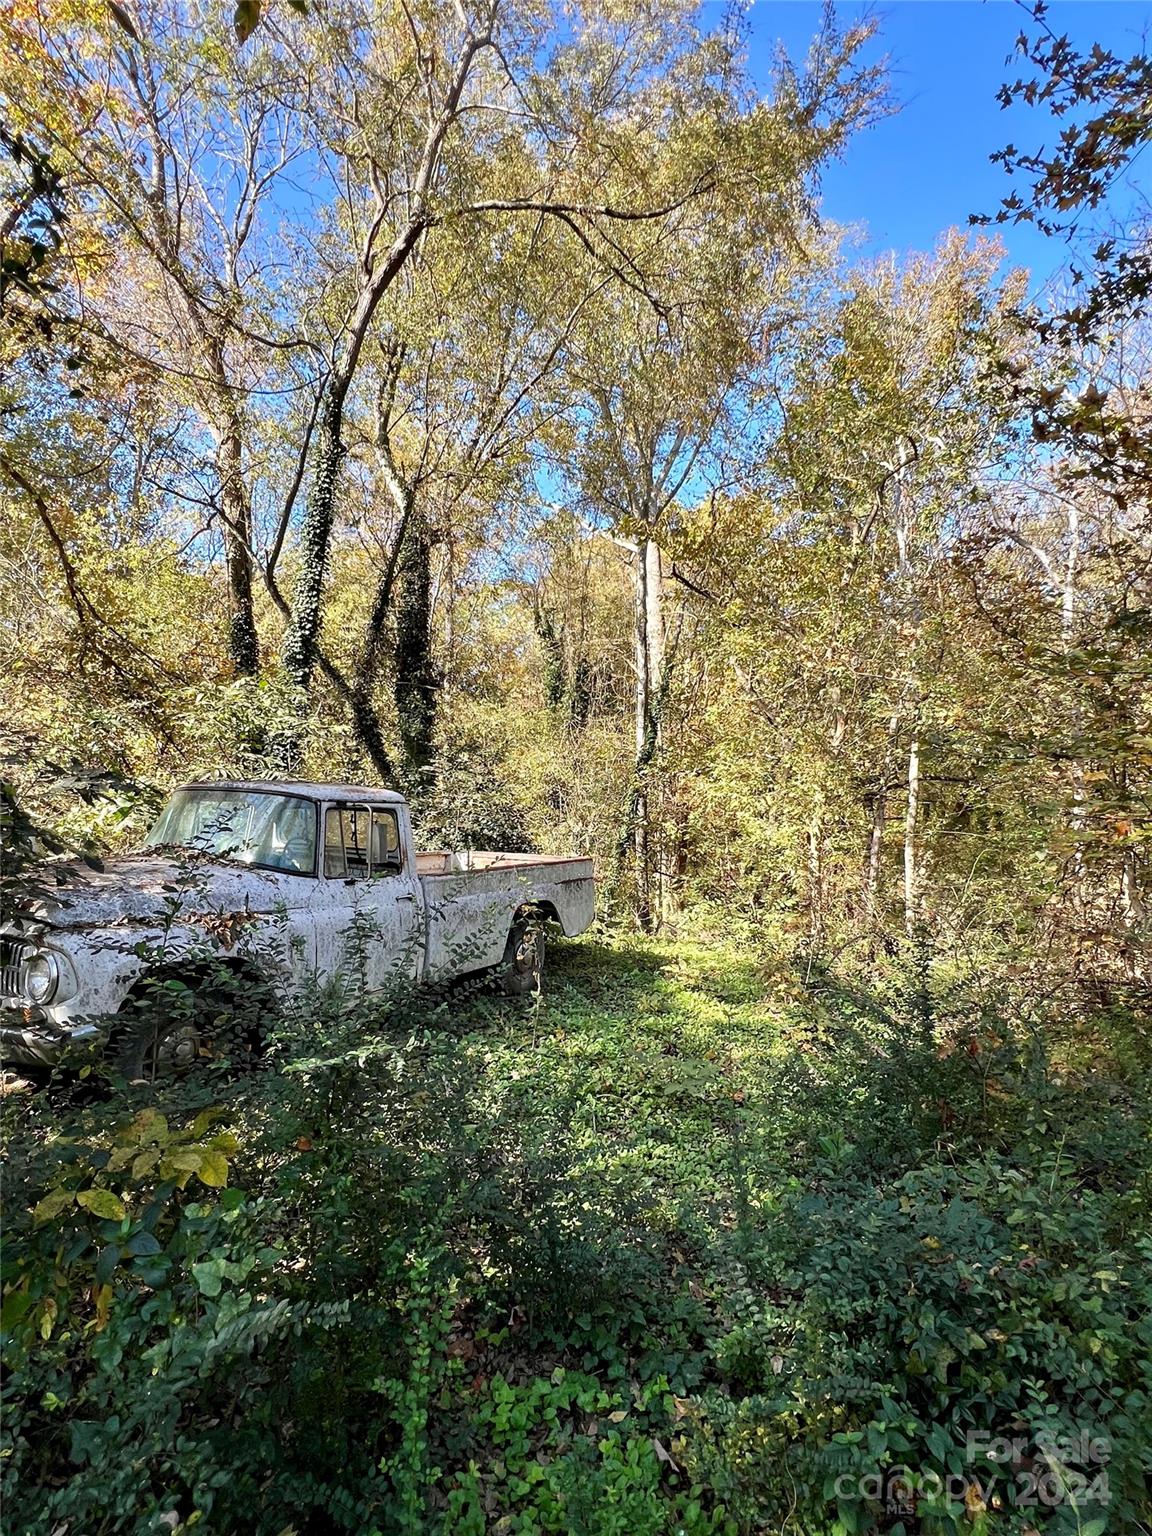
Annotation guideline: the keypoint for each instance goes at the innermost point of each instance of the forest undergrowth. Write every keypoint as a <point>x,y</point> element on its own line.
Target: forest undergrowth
<point>704,1239</point>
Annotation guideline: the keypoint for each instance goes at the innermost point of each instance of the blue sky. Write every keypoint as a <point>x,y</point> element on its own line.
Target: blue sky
<point>926,169</point>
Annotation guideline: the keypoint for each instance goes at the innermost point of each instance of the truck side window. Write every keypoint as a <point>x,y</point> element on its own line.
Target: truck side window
<point>387,858</point>
<point>346,844</point>
<point>359,843</point>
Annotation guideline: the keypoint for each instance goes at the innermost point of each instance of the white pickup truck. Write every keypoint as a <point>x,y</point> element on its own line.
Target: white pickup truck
<point>313,881</point>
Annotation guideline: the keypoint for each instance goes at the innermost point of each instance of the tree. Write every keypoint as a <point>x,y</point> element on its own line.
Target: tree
<point>465,372</point>
<point>828,584</point>
<point>1105,104</point>
<point>672,387</point>
<point>428,139</point>
<point>179,169</point>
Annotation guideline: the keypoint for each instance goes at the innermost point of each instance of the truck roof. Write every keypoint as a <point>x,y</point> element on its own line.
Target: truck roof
<point>302,787</point>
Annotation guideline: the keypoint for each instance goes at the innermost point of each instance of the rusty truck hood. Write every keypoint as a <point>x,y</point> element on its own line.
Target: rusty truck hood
<point>142,888</point>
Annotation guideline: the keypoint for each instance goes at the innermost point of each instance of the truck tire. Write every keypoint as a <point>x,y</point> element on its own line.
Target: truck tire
<point>522,969</point>
<point>169,1021</point>
<point>152,1044</point>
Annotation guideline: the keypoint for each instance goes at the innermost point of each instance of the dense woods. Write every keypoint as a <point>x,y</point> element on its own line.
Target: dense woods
<point>486,410</point>
<point>473,399</point>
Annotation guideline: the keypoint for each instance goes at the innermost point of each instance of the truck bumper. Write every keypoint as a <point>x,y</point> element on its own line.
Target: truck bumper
<point>30,1039</point>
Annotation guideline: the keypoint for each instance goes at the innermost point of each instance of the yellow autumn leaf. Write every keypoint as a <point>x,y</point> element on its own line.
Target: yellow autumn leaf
<point>213,1169</point>
<point>102,1202</point>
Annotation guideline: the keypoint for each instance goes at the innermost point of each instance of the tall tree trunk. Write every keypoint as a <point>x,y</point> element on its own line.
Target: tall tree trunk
<point>243,644</point>
<point>652,662</point>
<point>911,897</point>
<point>552,649</point>
<point>816,882</point>
<point>649,649</point>
<point>315,536</point>
<point>1077,767</point>
<point>1132,912</point>
<point>642,716</point>
<point>879,810</point>
<point>417,679</point>
<point>365,720</point>
<point>875,852</point>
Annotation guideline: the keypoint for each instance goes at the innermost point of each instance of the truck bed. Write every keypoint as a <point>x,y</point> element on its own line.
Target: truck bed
<point>470,898</point>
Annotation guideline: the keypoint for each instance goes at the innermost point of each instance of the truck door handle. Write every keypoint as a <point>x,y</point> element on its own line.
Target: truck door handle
<point>405,896</point>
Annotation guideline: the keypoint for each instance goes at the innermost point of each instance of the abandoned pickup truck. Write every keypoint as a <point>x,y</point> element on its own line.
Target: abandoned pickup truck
<point>314,881</point>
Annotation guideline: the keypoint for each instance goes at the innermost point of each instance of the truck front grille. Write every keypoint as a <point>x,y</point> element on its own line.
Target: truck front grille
<point>12,953</point>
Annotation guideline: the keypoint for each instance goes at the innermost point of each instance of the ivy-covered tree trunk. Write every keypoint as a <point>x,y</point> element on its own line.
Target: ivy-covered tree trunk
<point>567,673</point>
<point>552,647</point>
<point>417,679</point>
<point>365,720</point>
<point>300,643</point>
<point>366,724</point>
<point>243,643</point>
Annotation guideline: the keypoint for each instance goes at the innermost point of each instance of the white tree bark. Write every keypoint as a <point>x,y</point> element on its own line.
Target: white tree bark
<point>649,636</point>
<point>879,822</point>
<point>911,899</point>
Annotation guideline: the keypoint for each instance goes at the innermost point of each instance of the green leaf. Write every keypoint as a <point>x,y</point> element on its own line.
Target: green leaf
<point>142,1245</point>
<point>209,1276</point>
<point>204,1122</point>
<point>214,1169</point>
<point>148,1125</point>
<point>246,19</point>
<point>16,1303</point>
<point>52,1204</point>
<point>106,1263</point>
<point>102,1202</point>
<point>145,1162</point>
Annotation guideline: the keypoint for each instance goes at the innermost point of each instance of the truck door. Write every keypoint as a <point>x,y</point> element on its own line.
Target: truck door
<point>368,909</point>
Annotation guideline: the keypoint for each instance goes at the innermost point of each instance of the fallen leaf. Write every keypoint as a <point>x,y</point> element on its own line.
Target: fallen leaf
<point>974,1500</point>
<point>663,1455</point>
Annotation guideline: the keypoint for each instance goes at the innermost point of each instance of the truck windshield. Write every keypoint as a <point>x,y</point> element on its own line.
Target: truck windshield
<point>270,831</point>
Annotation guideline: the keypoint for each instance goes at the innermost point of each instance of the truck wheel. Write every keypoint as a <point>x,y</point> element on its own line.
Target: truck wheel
<point>149,1047</point>
<point>522,968</point>
<point>168,1022</point>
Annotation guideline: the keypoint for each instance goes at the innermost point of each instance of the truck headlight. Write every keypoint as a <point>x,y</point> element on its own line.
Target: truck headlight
<point>41,977</point>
